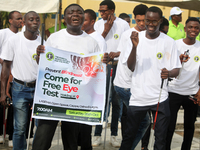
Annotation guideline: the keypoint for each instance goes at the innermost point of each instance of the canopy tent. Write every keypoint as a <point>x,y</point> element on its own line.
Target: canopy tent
<point>39,6</point>
<point>185,4</point>
<point>23,6</point>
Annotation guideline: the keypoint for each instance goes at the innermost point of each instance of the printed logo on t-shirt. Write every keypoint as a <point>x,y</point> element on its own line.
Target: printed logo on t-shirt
<point>181,30</point>
<point>50,56</point>
<point>116,36</point>
<point>34,56</point>
<point>159,55</point>
<point>196,58</point>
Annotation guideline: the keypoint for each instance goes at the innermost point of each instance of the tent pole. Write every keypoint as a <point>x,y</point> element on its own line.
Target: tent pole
<point>60,13</point>
<point>189,13</point>
<point>56,20</point>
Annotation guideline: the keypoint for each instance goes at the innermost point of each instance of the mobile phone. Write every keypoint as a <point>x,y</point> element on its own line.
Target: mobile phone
<point>194,99</point>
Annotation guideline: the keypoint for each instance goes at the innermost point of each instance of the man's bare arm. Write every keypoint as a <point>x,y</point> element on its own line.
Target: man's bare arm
<point>40,49</point>
<point>166,73</point>
<point>4,79</point>
<point>132,57</point>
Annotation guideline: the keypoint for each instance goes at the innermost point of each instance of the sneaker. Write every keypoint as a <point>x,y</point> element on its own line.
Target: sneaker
<point>10,143</point>
<point>97,141</point>
<point>104,125</point>
<point>7,137</point>
<point>114,142</point>
<point>30,141</point>
<point>119,125</point>
<point>1,139</point>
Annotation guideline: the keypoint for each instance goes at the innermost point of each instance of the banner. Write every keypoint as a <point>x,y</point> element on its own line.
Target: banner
<point>70,87</point>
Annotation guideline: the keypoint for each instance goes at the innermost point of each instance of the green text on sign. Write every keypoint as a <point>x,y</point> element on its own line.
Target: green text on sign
<point>83,113</point>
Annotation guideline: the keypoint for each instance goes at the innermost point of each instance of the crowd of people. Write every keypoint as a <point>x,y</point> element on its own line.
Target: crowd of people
<point>155,72</point>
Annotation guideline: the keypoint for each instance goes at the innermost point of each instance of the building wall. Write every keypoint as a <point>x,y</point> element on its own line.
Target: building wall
<point>121,7</point>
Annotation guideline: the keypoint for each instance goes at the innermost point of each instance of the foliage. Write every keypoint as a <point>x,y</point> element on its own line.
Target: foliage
<point>4,21</point>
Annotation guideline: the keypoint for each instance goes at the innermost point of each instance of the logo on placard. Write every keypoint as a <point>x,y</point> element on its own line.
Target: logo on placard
<point>50,56</point>
<point>159,55</point>
<point>196,58</point>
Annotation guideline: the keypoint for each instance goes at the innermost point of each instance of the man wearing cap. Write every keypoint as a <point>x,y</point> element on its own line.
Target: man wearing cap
<point>176,29</point>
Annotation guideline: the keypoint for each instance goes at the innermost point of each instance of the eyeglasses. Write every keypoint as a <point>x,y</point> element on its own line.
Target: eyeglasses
<point>102,11</point>
<point>154,22</point>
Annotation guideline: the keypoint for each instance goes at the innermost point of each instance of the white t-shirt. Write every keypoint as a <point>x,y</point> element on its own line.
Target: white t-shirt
<point>5,34</point>
<point>114,35</point>
<point>81,44</point>
<point>124,74</point>
<point>23,28</point>
<point>100,40</point>
<point>187,83</point>
<point>22,53</point>
<point>152,55</point>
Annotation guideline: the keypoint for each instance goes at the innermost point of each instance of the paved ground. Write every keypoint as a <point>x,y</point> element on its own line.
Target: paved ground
<point>177,139</point>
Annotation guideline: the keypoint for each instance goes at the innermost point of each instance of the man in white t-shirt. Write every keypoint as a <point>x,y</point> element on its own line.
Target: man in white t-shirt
<point>15,20</point>
<point>122,81</point>
<point>125,17</point>
<point>153,57</point>
<point>72,39</point>
<point>185,85</point>
<point>18,54</point>
<point>111,28</point>
<point>88,27</point>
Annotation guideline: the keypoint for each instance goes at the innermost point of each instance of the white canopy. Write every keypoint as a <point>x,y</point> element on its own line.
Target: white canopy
<point>185,4</point>
<point>23,6</point>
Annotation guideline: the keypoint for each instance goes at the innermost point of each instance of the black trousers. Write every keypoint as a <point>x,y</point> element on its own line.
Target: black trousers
<point>145,139</point>
<point>45,132</point>
<point>136,114</point>
<point>190,113</point>
<point>85,138</point>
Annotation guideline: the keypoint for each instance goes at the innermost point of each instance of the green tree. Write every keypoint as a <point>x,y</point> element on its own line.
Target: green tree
<point>4,21</point>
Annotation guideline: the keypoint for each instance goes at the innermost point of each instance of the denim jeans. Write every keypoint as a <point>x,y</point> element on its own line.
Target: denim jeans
<point>114,101</point>
<point>22,97</point>
<point>124,94</point>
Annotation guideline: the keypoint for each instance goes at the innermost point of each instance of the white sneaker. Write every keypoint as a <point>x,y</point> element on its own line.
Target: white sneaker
<point>114,142</point>
<point>10,143</point>
<point>104,125</point>
<point>7,137</point>
<point>119,125</point>
<point>97,141</point>
<point>30,141</point>
<point>1,139</point>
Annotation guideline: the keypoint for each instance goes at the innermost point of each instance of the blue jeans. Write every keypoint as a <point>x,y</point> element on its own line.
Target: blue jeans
<point>124,94</point>
<point>114,101</point>
<point>22,96</point>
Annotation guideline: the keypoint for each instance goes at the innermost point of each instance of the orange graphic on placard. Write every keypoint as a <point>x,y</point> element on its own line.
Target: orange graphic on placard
<point>89,65</point>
